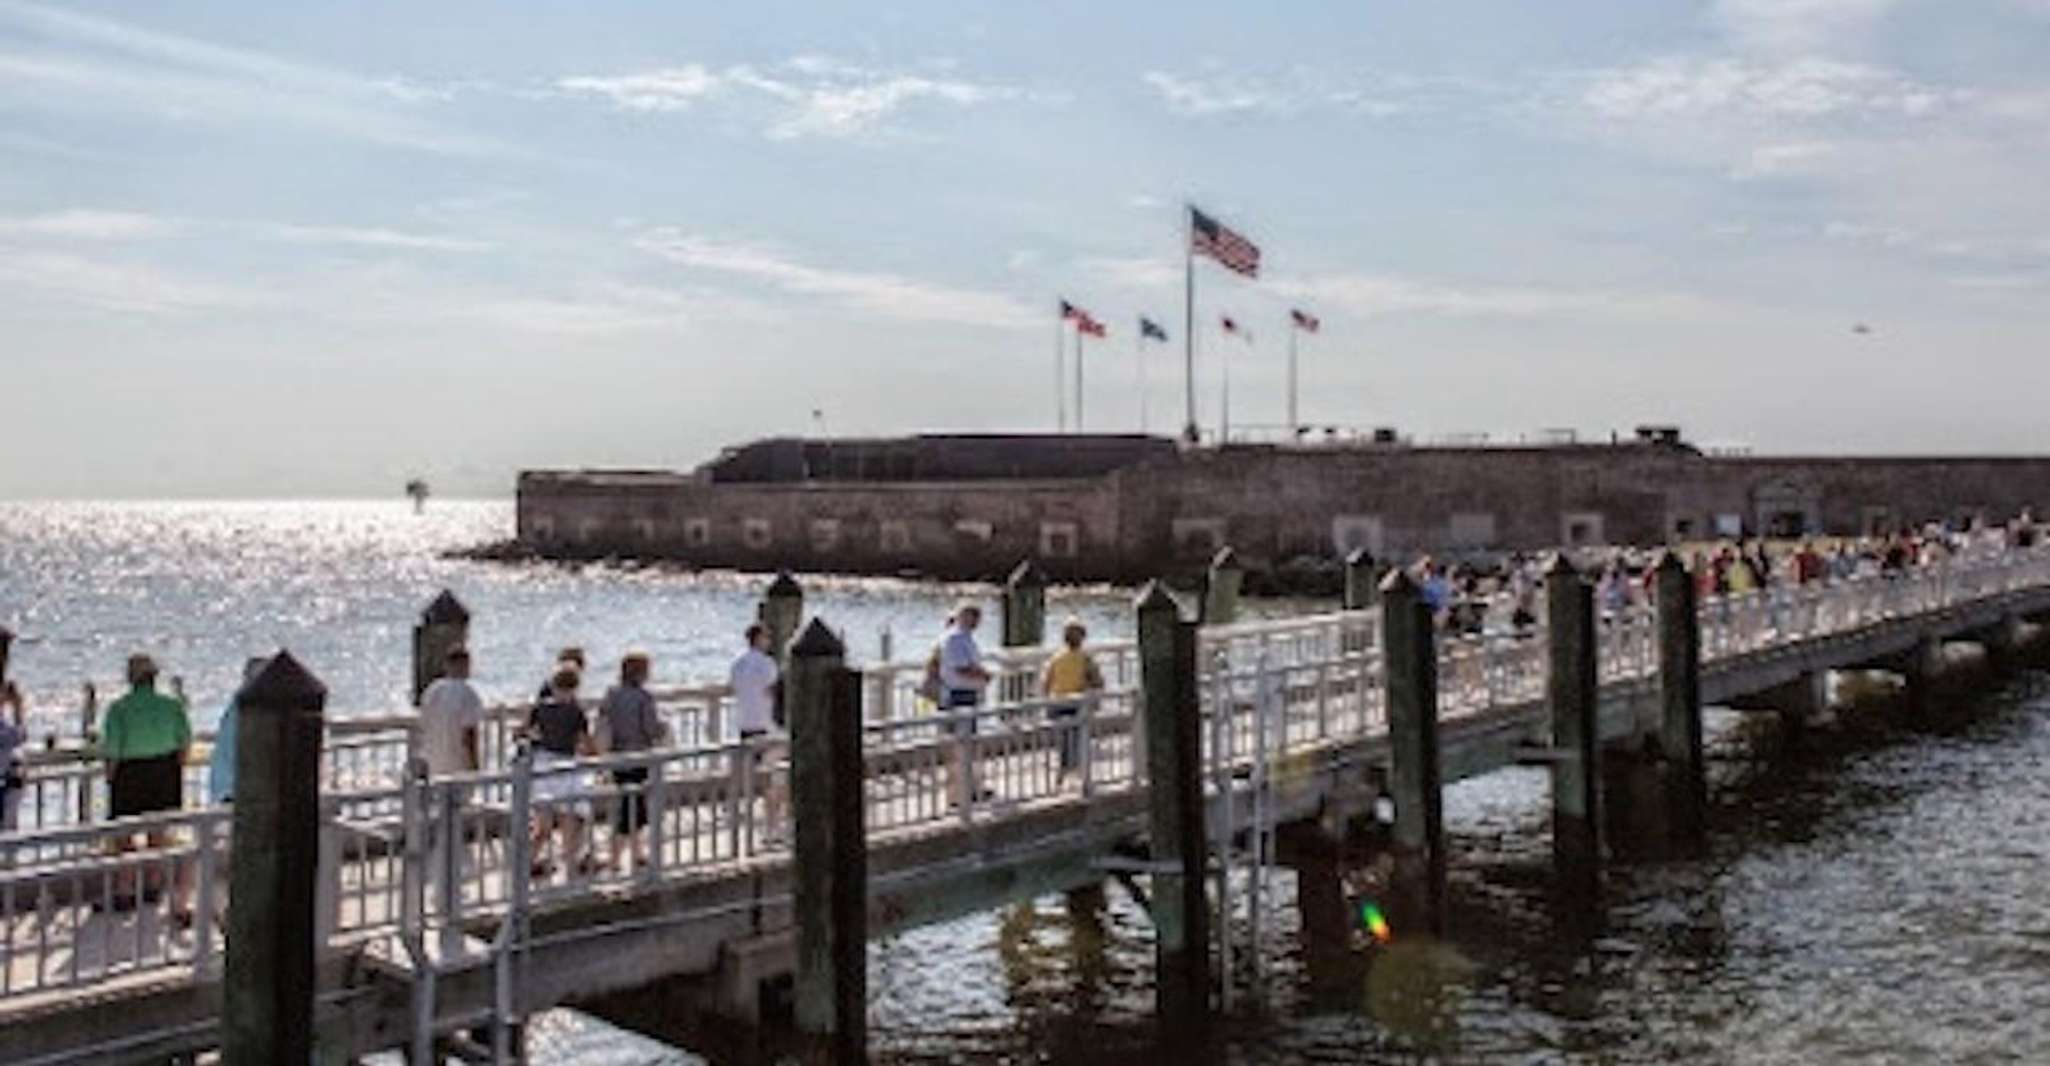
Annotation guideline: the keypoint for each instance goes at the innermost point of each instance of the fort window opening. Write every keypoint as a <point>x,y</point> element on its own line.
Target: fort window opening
<point>697,532</point>
<point>895,536</point>
<point>1058,540</point>
<point>970,529</point>
<point>825,534</point>
<point>1582,529</point>
<point>646,528</point>
<point>755,533</point>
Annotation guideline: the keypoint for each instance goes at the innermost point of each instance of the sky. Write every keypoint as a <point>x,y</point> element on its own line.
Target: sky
<point>262,249</point>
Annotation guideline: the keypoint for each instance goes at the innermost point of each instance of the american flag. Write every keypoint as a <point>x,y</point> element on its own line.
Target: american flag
<point>1091,326</point>
<point>1071,313</point>
<point>1209,237</point>
<point>1304,321</point>
<point>1150,330</point>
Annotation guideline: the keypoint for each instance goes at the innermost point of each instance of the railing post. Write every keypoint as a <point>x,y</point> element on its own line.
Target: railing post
<point>209,896</point>
<point>782,610</point>
<point>831,850</point>
<point>1086,751</point>
<point>1221,588</point>
<point>327,910</point>
<point>1417,887</point>
<point>448,860</point>
<point>1680,743</point>
<point>267,1008</point>
<point>1171,719</point>
<point>1024,609</point>
<point>444,626</point>
<point>507,1034</point>
<point>1572,692</point>
<point>1362,580</point>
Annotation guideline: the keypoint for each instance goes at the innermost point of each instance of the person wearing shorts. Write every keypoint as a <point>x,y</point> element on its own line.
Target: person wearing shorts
<point>561,734</point>
<point>962,681</point>
<point>628,722</point>
<point>143,739</point>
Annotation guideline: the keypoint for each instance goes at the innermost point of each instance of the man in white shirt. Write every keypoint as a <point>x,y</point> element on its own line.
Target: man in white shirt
<point>962,681</point>
<point>753,679</point>
<point>450,714</point>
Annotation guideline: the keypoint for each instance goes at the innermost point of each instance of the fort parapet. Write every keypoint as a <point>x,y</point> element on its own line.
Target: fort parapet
<point>1123,508</point>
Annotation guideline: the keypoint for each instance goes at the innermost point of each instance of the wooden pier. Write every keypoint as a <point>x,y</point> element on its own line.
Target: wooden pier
<point>1300,724</point>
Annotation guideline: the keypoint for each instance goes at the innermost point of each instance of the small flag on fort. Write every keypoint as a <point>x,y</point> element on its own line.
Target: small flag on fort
<point>1150,330</point>
<point>1207,236</point>
<point>1304,321</point>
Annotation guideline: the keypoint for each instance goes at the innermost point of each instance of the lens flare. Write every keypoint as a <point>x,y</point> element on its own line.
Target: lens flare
<point>1375,922</point>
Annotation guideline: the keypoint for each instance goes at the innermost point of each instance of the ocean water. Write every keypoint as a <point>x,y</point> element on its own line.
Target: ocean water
<point>1876,897</point>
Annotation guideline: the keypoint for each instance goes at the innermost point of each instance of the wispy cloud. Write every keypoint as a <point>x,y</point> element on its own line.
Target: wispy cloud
<point>805,96</point>
<point>1784,160</point>
<point>124,66</point>
<point>1798,25</point>
<point>370,237</point>
<point>886,295</point>
<point>45,279</point>
<point>83,224</point>
<point>1366,295</point>
<point>1682,87</point>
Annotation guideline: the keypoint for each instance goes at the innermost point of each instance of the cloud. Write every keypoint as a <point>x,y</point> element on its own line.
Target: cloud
<point>1219,95</point>
<point>885,295</point>
<point>82,224</point>
<point>371,238</point>
<point>57,278</point>
<point>1798,25</point>
<point>1810,88</point>
<point>1137,272</point>
<point>1373,94</point>
<point>166,76</point>
<point>805,96</point>
<point>1784,160</point>
<point>1365,295</point>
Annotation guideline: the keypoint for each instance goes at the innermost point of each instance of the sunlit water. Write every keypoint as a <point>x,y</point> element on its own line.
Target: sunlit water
<point>1878,898</point>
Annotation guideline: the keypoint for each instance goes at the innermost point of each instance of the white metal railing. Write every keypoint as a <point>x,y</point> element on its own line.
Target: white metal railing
<point>428,861</point>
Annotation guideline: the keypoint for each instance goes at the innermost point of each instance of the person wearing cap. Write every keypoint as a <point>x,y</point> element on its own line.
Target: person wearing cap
<point>143,739</point>
<point>450,714</point>
<point>1071,676</point>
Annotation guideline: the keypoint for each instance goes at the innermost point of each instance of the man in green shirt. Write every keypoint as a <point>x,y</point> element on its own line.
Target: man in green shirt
<point>143,740</point>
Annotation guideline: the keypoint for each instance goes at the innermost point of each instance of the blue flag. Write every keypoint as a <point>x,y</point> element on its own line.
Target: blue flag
<point>1150,330</point>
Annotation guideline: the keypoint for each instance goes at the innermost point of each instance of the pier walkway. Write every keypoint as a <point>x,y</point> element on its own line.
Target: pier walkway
<point>419,940</point>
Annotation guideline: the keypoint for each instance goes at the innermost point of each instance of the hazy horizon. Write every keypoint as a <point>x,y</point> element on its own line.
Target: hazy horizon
<point>279,251</point>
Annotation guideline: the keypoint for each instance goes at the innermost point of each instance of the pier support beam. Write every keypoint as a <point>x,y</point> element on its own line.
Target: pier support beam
<point>1221,588</point>
<point>1174,767</point>
<point>1362,580</point>
<point>1572,694</point>
<point>267,996</point>
<point>830,856</point>
<point>1679,736</point>
<point>782,610</point>
<point>2004,645</point>
<point>1317,857</point>
<point>1024,621</point>
<point>1919,668</point>
<point>444,627</point>
<point>1417,887</point>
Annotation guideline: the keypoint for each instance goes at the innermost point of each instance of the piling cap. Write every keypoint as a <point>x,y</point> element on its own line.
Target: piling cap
<point>1359,557</point>
<point>6,635</point>
<point>784,586</point>
<point>1398,583</point>
<point>446,610</point>
<point>284,685</point>
<point>1027,575</point>
<point>1560,565</point>
<point>818,642</point>
<point>1225,559</point>
<point>1669,560</point>
<point>1155,597</point>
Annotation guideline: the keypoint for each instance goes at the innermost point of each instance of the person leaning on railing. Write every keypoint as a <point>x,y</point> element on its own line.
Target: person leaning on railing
<point>143,740</point>
<point>1071,673</point>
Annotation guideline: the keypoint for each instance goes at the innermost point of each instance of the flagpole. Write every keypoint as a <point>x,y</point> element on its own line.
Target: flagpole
<point>1224,403</point>
<point>1189,432</point>
<point>1139,368</point>
<point>1078,379</point>
<point>1060,372</point>
<point>1294,427</point>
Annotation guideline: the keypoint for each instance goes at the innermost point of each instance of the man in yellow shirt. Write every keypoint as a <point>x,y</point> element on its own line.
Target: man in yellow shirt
<point>1071,672</point>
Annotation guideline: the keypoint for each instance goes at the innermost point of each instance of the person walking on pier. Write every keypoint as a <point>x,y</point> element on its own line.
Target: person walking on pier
<point>757,682</point>
<point>962,681</point>
<point>13,736</point>
<point>628,722</point>
<point>561,733</point>
<point>1073,676</point>
<point>451,714</point>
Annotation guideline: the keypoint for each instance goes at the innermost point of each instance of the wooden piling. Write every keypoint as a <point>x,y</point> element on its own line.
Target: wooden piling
<point>1572,693</point>
<point>6,646</point>
<point>782,610</point>
<point>267,1008</point>
<point>830,856</point>
<point>1167,666</point>
<point>1221,588</point>
<point>444,626</point>
<point>1417,888</point>
<point>1024,621</point>
<point>1362,583</point>
<point>1679,738</point>
<point>1919,667</point>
